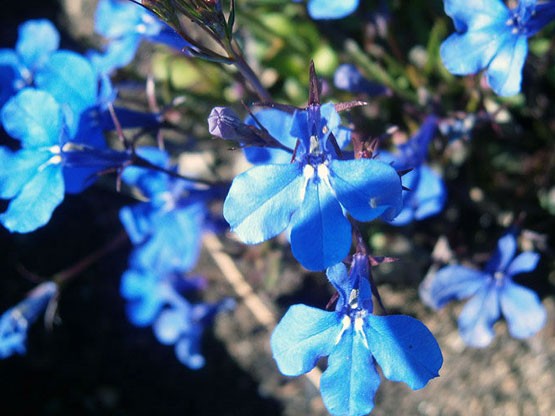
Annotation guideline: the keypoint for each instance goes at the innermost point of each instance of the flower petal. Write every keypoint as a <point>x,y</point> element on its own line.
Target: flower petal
<point>302,337</point>
<point>504,73</point>
<point>331,9</point>
<point>262,200</point>
<point>17,168</point>
<point>320,235</point>
<point>523,263</point>
<point>34,117</point>
<point>404,348</point>
<point>503,254</point>
<point>350,382</point>
<point>33,206</point>
<point>366,188</point>
<point>37,39</point>
<point>476,14</point>
<point>522,309</point>
<point>478,316</point>
<point>451,282</point>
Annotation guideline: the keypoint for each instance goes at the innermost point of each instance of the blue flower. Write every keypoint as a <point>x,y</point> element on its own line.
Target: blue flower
<point>331,9</point>
<point>15,322</point>
<point>347,77</point>
<point>125,24</point>
<point>37,40</point>
<point>492,293</point>
<point>355,341</point>
<point>33,176</point>
<point>493,37</point>
<point>157,299</point>
<point>425,194</point>
<point>312,193</point>
<point>167,229</point>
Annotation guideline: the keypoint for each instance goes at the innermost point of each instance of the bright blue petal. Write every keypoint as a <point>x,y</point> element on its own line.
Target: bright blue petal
<point>137,221</point>
<point>33,117</point>
<point>136,283</point>
<point>33,206</point>
<point>449,283</point>
<point>522,309</point>
<point>37,39</point>
<point>476,14</point>
<point>302,337</point>
<point>11,77</point>
<point>278,124</point>
<point>117,54</point>
<point>320,235</point>
<point>339,278</point>
<point>478,316</point>
<point>72,81</point>
<point>523,263</point>
<point>469,53</point>
<point>404,348</point>
<point>366,188</point>
<point>430,194</point>
<point>331,9</point>
<point>17,168</point>
<point>504,73</point>
<point>262,200</point>
<point>503,254</point>
<point>116,18</point>
<point>148,181</point>
<point>350,382</point>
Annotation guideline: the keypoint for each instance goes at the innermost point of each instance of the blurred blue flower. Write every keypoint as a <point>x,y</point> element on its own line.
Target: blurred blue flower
<point>313,192</point>
<point>15,322</point>
<point>167,229</point>
<point>331,9</point>
<point>157,299</point>
<point>37,40</point>
<point>493,37</point>
<point>355,341</point>
<point>426,193</point>
<point>32,177</point>
<point>347,77</point>
<point>492,293</point>
<point>124,24</point>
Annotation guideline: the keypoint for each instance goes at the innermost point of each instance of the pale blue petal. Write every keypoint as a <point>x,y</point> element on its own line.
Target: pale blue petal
<point>115,18</point>
<point>34,117</point>
<point>366,188</point>
<point>478,316</point>
<point>522,309</point>
<point>504,73</point>
<point>148,181</point>
<point>469,53</point>
<point>136,284</point>
<point>404,348</point>
<point>278,124</point>
<point>143,311</point>
<point>37,39</point>
<point>331,9</point>
<point>523,263</point>
<point>262,200</point>
<point>17,168</point>
<point>350,382</point>
<point>172,323</point>
<point>33,206</point>
<point>117,54</point>
<point>137,221</point>
<point>320,235</point>
<point>451,282</point>
<point>430,194</point>
<point>302,337</point>
<point>72,81</point>
<point>476,14</point>
<point>503,254</point>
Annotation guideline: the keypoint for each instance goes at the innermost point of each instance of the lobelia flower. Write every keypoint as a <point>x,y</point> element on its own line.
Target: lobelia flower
<point>347,77</point>
<point>156,299</point>
<point>425,194</point>
<point>167,229</point>
<point>355,341</point>
<point>33,176</point>
<point>15,322</point>
<point>492,293</point>
<point>331,9</point>
<point>125,24</point>
<point>313,191</point>
<point>493,37</point>
<point>37,40</point>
